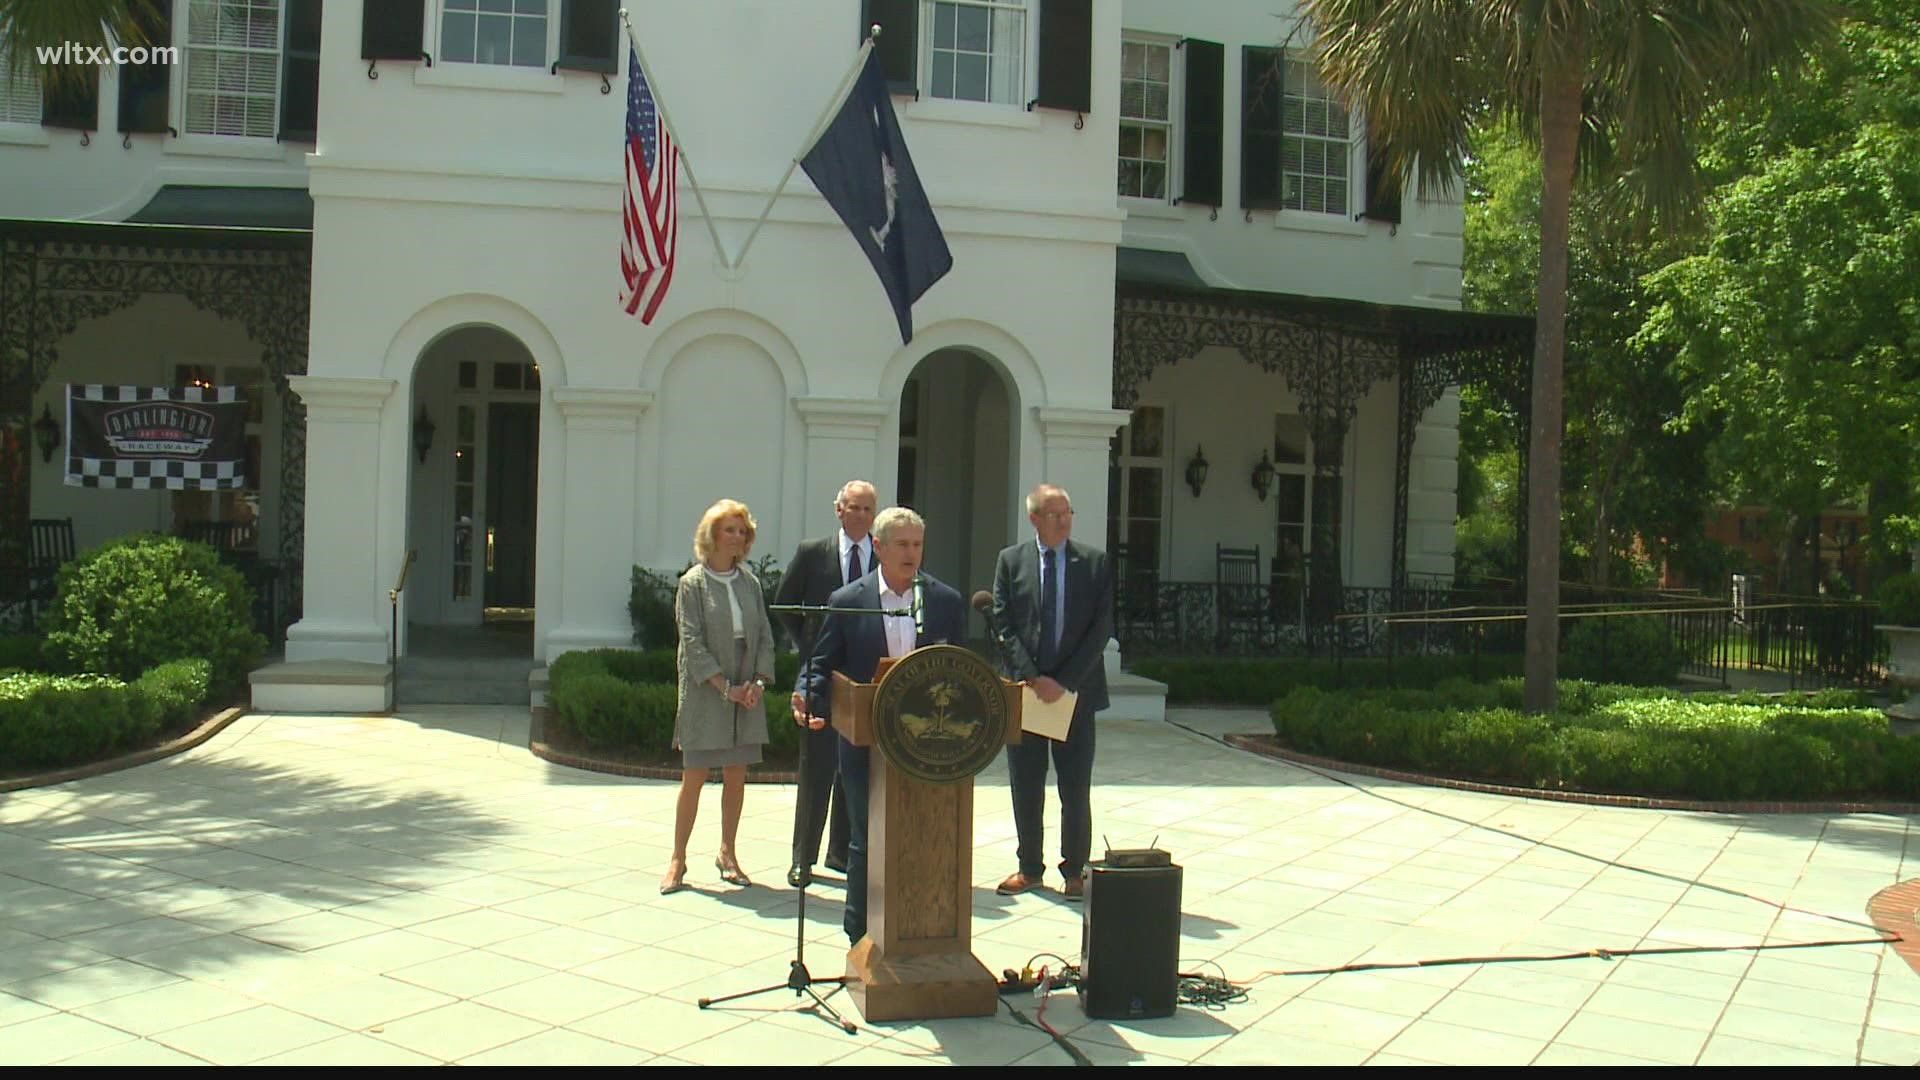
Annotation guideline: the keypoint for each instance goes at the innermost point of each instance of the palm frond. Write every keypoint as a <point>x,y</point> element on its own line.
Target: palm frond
<point>27,26</point>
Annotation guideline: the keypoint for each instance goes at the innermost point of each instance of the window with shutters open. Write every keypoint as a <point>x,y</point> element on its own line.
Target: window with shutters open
<point>232,83</point>
<point>1317,146</point>
<point>19,92</point>
<point>505,33</point>
<point>1147,136</point>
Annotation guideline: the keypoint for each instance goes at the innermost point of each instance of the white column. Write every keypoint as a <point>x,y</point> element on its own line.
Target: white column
<point>1074,446</point>
<point>843,443</point>
<point>599,516</point>
<point>344,615</point>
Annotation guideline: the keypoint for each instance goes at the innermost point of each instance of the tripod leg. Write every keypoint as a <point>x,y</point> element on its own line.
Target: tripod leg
<point>845,1024</point>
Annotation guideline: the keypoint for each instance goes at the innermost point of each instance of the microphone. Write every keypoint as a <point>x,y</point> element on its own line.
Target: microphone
<point>983,603</point>
<point>919,606</point>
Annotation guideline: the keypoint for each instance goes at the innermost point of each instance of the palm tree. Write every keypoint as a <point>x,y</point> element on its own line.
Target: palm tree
<point>29,25</point>
<point>1608,89</point>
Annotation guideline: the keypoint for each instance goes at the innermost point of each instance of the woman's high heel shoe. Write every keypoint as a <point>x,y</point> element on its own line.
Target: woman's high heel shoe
<point>676,878</point>
<point>730,871</point>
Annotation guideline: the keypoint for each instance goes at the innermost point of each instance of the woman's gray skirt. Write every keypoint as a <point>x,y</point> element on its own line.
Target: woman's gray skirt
<point>739,753</point>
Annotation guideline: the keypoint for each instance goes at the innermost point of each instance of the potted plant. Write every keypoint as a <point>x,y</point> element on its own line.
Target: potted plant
<point>1899,602</point>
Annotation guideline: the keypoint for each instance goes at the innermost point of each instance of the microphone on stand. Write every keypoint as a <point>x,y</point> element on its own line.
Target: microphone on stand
<point>919,607</point>
<point>983,603</point>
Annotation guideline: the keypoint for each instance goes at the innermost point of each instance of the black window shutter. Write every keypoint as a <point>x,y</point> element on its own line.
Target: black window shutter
<point>1383,190</point>
<point>70,107</point>
<point>393,29</point>
<point>1066,55</point>
<point>899,44</point>
<point>300,73</point>
<point>1260,128</point>
<point>143,87</point>
<point>590,36</point>
<point>1206,102</point>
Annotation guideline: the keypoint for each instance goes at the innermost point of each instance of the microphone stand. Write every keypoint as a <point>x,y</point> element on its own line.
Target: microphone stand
<point>799,979</point>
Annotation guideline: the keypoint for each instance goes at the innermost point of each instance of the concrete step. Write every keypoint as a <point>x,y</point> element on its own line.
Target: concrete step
<point>496,691</point>
<point>322,686</point>
<point>1135,697</point>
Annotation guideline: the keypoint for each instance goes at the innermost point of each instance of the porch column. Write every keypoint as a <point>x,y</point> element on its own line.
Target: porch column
<point>1074,445</point>
<point>597,511</point>
<point>843,443</point>
<point>345,617</point>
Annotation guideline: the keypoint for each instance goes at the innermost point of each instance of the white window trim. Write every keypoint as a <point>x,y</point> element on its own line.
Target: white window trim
<point>1163,462</point>
<point>1029,75</point>
<point>437,13</point>
<point>207,143</point>
<point>1176,120</point>
<point>1351,223</point>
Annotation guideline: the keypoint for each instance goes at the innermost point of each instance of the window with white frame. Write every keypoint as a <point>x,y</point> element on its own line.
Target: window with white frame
<point>1316,146</point>
<point>1137,491</point>
<point>233,68</point>
<point>1146,117</point>
<point>977,50</point>
<point>509,33</point>
<point>19,91</point>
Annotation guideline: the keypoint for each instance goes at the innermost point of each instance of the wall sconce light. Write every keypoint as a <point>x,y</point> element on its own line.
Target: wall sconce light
<point>1263,476</point>
<point>422,434</point>
<point>1197,471</point>
<point>46,433</point>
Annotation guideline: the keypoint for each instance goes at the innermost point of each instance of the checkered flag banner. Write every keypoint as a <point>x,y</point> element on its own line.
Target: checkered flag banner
<point>138,438</point>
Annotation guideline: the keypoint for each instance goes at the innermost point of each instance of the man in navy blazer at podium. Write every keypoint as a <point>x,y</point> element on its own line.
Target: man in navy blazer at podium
<point>853,645</point>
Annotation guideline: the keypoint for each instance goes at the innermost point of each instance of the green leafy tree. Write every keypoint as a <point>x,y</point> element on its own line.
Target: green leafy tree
<point>1609,88</point>
<point>26,26</point>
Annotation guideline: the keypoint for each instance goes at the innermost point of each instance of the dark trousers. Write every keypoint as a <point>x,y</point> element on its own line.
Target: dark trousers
<point>853,776</point>
<point>1073,767</point>
<point>819,780</point>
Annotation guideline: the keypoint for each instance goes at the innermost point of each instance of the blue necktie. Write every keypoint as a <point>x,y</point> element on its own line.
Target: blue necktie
<point>853,564</point>
<point>1049,597</point>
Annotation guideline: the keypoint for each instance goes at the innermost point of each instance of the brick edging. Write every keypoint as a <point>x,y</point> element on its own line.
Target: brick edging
<point>1266,747</point>
<point>208,728</point>
<point>541,749</point>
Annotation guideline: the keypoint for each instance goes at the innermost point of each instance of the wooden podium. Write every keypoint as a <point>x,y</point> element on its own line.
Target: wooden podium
<point>916,961</point>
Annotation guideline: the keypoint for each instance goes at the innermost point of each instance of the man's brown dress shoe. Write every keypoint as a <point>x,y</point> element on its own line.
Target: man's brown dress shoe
<point>1016,884</point>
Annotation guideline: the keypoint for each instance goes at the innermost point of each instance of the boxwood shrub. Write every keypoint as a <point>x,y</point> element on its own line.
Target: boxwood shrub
<point>145,599</point>
<point>1616,739</point>
<point>624,700</point>
<point>50,720</point>
<point>1258,681</point>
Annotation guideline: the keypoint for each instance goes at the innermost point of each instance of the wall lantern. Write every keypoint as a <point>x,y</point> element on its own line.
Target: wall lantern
<point>46,433</point>
<point>422,434</point>
<point>1263,476</point>
<point>1197,471</point>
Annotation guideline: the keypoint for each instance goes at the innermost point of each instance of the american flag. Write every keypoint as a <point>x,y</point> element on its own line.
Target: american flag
<point>649,215</point>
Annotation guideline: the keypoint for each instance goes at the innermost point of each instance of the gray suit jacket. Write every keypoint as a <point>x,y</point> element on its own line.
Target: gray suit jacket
<point>706,720</point>
<point>1080,662</point>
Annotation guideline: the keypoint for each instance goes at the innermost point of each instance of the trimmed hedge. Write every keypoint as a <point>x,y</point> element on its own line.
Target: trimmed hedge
<point>49,720</point>
<point>624,700</point>
<point>1615,739</point>
<point>1630,649</point>
<point>1258,682</point>
<point>147,599</point>
<point>20,652</point>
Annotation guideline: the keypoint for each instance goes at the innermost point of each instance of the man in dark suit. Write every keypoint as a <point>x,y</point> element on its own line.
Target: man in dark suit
<point>1053,612</point>
<point>854,644</point>
<point>818,568</point>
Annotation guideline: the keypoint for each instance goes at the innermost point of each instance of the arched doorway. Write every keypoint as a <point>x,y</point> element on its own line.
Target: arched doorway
<point>957,462</point>
<point>472,507</point>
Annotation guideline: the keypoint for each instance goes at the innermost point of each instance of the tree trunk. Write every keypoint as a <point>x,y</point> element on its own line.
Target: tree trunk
<point>1600,565</point>
<point>1559,135</point>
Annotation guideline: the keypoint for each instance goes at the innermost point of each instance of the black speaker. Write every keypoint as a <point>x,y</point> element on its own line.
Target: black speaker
<point>1130,942</point>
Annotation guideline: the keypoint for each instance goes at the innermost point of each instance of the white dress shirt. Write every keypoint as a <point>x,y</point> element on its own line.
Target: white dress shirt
<point>900,636</point>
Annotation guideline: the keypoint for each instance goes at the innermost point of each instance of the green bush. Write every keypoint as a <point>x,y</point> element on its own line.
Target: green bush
<point>650,606</point>
<point>1632,649</point>
<point>1899,600</point>
<point>1619,739</point>
<point>147,599</point>
<point>1259,681</point>
<point>621,699</point>
<point>20,652</point>
<point>176,690</point>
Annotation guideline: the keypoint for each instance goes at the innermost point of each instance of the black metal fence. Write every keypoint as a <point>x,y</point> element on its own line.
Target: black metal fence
<point>1791,642</point>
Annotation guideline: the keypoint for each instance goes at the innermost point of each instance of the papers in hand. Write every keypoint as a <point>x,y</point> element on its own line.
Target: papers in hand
<point>1047,721</point>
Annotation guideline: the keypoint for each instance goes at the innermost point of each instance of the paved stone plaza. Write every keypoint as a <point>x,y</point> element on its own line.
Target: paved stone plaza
<point>420,888</point>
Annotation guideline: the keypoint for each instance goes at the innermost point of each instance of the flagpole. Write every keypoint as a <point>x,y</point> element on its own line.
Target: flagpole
<point>833,106</point>
<point>686,162</point>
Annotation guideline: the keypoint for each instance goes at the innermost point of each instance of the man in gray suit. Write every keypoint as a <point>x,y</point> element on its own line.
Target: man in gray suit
<point>1053,612</point>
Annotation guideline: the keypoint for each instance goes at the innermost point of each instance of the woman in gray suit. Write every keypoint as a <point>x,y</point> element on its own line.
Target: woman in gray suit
<point>725,659</point>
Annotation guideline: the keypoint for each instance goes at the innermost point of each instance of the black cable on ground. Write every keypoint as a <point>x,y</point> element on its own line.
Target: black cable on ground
<point>1058,1039</point>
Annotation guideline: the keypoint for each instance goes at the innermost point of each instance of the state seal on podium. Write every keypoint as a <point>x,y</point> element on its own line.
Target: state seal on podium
<point>940,714</point>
